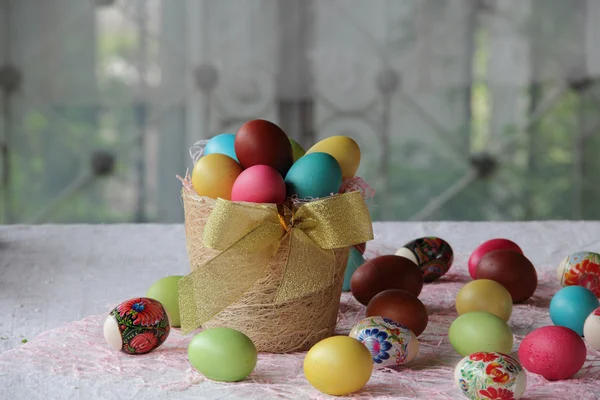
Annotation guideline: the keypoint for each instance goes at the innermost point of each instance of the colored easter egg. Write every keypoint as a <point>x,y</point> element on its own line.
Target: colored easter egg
<point>259,184</point>
<point>554,352</point>
<point>338,365</point>
<point>512,270</point>
<point>382,273</point>
<point>344,149</point>
<point>480,331</point>
<point>401,306</point>
<point>390,343</point>
<point>591,329</point>
<point>223,354</point>
<point>137,326</point>
<point>260,142</point>
<point>314,175</point>
<point>581,269</point>
<point>297,150</point>
<point>221,144</point>
<point>214,175</point>
<point>486,247</point>
<point>355,260</point>
<point>490,376</point>
<point>570,307</point>
<point>433,255</point>
<point>484,295</point>
<point>166,291</point>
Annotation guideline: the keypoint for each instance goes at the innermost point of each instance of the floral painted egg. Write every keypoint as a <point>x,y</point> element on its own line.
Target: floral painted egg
<point>591,329</point>
<point>490,376</point>
<point>581,269</point>
<point>389,343</point>
<point>137,326</point>
<point>433,255</point>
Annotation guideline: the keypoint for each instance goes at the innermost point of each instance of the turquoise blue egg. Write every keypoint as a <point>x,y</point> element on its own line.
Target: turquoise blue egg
<point>314,175</point>
<point>221,144</point>
<point>355,260</point>
<point>570,307</point>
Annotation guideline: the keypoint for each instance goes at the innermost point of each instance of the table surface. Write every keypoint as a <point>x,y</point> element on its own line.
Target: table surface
<point>51,275</point>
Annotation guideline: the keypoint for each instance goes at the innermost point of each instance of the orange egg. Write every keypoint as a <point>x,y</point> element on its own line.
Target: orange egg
<point>214,174</point>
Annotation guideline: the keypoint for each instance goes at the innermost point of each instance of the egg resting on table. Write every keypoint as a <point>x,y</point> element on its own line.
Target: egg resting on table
<point>390,343</point>
<point>137,326</point>
<point>591,329</point>
<point>433,255</point>
<point>486,247</point>
<point>490,375</point>
<point>581,269</point>
<point>400,306</point>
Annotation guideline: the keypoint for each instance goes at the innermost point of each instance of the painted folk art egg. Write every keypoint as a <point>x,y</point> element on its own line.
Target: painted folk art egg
<point>581,269</point>
<point>390,343</point>
<point>591,329</point>
<point>433,255</point>
<point>137,326</point>
<point>490,376</point>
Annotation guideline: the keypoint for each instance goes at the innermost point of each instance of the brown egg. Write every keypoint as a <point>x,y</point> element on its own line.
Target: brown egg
<point>260,142</point>
<point>362,247</point>
<point>512,270</point>
<point>401,306</point>
<point>383,273</point>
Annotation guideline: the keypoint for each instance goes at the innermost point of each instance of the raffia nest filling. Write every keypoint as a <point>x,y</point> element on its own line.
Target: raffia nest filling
<point>275,328</point>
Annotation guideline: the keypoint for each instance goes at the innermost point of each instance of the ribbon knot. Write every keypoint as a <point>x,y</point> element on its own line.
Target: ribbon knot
<point>252,237</point>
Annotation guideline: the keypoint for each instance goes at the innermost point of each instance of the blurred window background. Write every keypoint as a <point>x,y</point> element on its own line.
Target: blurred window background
<point>464,109</point>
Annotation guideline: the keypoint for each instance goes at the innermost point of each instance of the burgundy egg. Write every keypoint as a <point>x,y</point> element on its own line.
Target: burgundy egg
<point>260,142</point>
<point>512,270</point>
<point>362,247</point>
<point>401,306</point>
<point>383,273</point>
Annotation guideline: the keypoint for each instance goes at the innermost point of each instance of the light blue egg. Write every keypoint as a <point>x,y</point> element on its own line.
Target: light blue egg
<point>355,260</point>
<point>314,175</point>
<point>222,144</point>
<point>570,307</point>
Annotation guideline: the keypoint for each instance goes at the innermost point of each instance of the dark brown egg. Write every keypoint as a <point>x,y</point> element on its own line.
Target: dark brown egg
<point>383,273</point>
<point>362,247</point>
<point>401,306</point>
<point>512,270</point>
<point>260,142</point>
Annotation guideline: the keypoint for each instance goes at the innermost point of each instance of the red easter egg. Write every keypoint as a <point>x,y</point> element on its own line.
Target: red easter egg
<point>260,142</point>
<point>486,247</point>
<point>555,352</point>
<point>362,247</point>
<point>259,184</point>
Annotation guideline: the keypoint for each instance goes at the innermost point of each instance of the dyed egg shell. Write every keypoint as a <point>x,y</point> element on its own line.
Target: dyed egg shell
<point>297,150</point>
<point>591,329</point>
<point>480,331</point>
<point>403,307</point>
<point>344,149</point>
<point>214,175</point>
<point>390,343</point>
<point>571,306</point>
<point>555,352</point>
<point>221,144</point>
<point>512,270</point>
<point>484,295</point>
<point>260,142</point>
<point>433,255</point>
<point>486,247</point>
<point>581,269</point>
<point>338,365</point>
<point>259,184</point>
<point>166,291</point>
<point>137,326</point>
<point>490,376</point>
<point>223,354</point>
<point>314,175</point>
<point>355,260</point>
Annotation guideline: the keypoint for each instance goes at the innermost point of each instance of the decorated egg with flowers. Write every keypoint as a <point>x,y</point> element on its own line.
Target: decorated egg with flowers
<point>137,326</point>
<point>390,343</point>
<point>490,375</point>
<point>581,269</point>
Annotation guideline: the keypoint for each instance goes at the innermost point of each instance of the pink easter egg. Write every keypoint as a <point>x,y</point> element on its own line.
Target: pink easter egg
<point>259,184</point>
<point>486,247</point>
<point>555,352</point>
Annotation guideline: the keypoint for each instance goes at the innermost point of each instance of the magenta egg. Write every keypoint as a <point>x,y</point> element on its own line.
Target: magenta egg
<point>486,247</point>
<point>259,184</point>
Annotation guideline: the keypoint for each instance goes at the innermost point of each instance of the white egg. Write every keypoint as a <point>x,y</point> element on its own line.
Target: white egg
<point>591,329</point>
<point>406,253</point>
<point>112,334</point>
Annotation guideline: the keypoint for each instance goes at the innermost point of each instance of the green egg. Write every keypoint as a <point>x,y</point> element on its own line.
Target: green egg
<point>297,150</point>
<point>166,292</point>
<point>223,354</point>
<point>480,331</point>
<point>355,260</point>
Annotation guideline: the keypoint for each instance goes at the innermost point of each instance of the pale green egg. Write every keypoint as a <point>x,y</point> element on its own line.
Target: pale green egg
<point>166,291</point>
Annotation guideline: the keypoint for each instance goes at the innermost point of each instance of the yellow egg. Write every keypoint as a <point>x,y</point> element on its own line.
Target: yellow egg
<point>484,295</point>
<point>214,174</point>
<point>338,365</point>
<point>344,149</point>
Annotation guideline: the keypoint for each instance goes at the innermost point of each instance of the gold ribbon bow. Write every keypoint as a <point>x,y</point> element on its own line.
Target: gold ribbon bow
<point>250,235</point>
